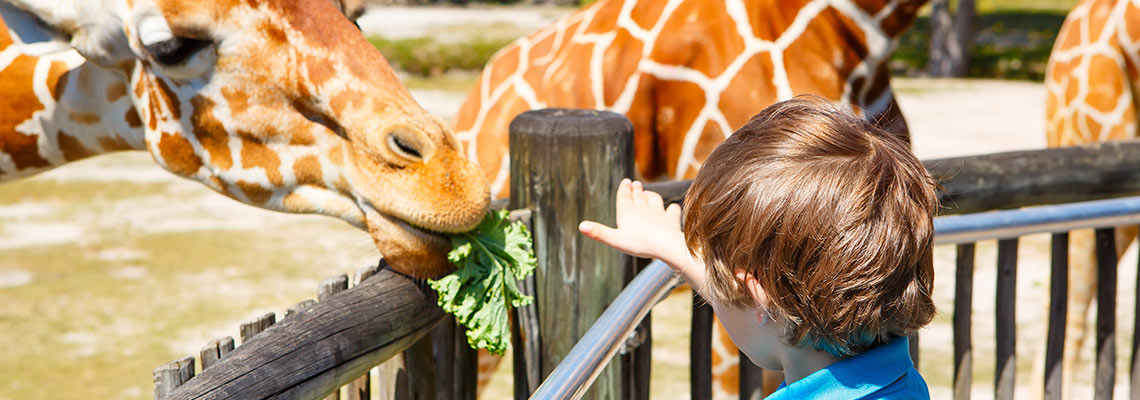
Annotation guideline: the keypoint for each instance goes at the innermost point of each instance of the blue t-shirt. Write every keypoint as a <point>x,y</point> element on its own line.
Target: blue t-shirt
<point>884,372</point>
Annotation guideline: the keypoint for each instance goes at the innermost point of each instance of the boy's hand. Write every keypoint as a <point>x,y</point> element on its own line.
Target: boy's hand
<point>645,228</point>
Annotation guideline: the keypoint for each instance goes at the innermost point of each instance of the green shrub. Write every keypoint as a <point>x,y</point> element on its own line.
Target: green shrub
<point>1008,44</point>
<point>429,57</point>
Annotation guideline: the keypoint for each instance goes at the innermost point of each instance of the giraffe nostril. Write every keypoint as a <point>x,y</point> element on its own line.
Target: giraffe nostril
<point>404,148</point>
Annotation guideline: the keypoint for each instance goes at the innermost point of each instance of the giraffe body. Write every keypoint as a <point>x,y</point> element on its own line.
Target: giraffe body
<point>1092,81</point>
<point>687,73</point>
<point>278,104</point>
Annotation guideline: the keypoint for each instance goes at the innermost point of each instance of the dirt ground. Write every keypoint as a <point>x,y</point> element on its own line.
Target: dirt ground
<point>112,266</point>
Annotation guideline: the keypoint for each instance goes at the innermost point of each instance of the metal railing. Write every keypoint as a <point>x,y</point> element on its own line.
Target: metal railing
<point>576,372</point>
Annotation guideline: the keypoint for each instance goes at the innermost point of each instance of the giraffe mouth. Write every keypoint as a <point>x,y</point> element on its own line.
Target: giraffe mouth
<point>408,249</point>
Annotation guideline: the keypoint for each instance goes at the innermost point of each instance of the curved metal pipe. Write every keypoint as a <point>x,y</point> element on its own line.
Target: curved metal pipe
<point>1057,218</point>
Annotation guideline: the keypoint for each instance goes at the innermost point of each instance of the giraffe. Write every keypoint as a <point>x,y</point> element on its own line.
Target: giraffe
<point>1091,81</point>
<point>279,104</point>
<point>687,73</point>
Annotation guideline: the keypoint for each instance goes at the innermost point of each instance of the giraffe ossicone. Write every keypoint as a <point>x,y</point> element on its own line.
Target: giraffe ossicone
<point>278,104</point>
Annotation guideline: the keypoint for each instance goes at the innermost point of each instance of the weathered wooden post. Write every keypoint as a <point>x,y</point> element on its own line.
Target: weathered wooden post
<point>565,167</point>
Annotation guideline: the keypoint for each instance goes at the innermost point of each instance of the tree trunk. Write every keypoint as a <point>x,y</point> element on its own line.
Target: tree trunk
<point>951,38</point>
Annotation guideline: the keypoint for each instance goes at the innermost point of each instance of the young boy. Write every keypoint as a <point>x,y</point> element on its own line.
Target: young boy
<point>809,231</point>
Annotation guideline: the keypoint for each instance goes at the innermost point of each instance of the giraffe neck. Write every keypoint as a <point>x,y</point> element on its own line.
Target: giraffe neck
<point>59,108</point>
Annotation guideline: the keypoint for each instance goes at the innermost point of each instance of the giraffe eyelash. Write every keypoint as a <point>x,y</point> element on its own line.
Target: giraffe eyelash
<point>176,50</point>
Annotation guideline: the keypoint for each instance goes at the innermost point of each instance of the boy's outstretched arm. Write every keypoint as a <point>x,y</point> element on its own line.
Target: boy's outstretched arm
<point>647,229</point>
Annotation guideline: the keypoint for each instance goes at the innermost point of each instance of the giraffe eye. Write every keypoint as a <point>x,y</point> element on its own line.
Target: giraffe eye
<point>176,50</point>
<point>403,148</point>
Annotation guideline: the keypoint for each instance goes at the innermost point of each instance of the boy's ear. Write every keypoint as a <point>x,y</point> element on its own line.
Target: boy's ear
<point>93,28</point>
<point>752,285</point>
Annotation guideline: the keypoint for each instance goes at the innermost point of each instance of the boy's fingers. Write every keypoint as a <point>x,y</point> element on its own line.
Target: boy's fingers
<point>596,231</point>
<point>654,200</point>
<point>673,212</point>
<point>623,193</point>
<point>638,194</point>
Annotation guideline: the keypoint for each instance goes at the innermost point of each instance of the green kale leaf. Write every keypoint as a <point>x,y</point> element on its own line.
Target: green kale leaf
<point>490,260</point>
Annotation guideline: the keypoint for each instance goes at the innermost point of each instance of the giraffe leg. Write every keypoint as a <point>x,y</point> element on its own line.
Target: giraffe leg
<point>488,363</point>
<point>725,365</point>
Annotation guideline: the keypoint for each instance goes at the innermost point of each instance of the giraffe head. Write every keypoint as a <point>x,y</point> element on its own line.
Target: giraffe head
<point>281,104</point>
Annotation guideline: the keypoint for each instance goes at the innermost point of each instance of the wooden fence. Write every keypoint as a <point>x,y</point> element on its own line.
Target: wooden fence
<point>565,166</point>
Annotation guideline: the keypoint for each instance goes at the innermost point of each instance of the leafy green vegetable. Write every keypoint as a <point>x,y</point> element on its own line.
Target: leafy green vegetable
<point>490,259</point>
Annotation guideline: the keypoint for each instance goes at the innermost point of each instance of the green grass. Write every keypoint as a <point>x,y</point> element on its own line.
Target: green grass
<point>1056,6</point>
<point>1009,44</point>
<point>457,81</point>
<point>431,57</point>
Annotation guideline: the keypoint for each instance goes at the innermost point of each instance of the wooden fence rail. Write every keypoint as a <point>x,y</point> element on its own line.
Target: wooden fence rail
<point>319,347</point>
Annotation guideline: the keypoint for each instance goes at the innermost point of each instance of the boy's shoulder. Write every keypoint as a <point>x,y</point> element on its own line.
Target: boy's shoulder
<point>884,372</point>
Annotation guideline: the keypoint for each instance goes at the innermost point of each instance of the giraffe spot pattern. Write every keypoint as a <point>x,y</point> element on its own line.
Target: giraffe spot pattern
<point>210,132</point>
<point>178,155</point>
<point>71,147</point>
<point>257,194</point>
<point>257,155</point>
<point>18,104</point>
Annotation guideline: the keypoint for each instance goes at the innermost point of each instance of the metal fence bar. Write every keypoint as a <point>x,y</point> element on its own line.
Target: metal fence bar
<point>1105,313</point>
<point>584,362</point>
<point>1058,312</point>
<point>1134,370</point>
<point>1005,319</point>
<point>963,298</point>
<point>700,350</point>
<point>1057,218</point>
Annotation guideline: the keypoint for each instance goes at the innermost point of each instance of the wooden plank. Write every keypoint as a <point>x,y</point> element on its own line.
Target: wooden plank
<point>1021,178</point>
<point>700,350</point>
<point>317,351</point>
<point>963,309</point>
<point>251,328</point>
<point>466,367</point>
<point>637,364</point>
<point>1134,368</point>
<point>215,350</point>
<point>332,285</point>
<point>565,167</point>
<point>171,375</point>
<point>1105,313</point>
<point>1058,312</point>
<point>443,347</point>
<point>300,307</point>
<point>329,287</point>
<point>525,338</point>
<point>361,388</point>
<point>421,370</point>
<point>1005,315</point>
<point>751,379</point>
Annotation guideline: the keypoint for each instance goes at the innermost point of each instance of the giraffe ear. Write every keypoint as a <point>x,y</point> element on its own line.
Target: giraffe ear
<point>36,37</point>
<point>352,9</point>
<point>89,27</point>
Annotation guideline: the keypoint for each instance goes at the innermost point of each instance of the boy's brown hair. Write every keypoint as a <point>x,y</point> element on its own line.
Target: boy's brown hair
<point>833,216</point>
